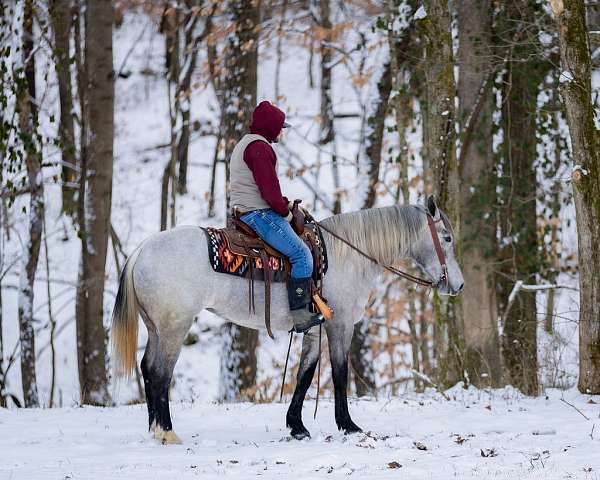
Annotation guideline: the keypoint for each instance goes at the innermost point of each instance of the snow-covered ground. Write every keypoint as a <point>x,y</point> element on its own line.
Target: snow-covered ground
<point>477,434</point>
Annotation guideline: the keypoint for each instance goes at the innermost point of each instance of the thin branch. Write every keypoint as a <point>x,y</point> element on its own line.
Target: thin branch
<point>573,406</point>
<point>428,380</point>
<point>519,285</point>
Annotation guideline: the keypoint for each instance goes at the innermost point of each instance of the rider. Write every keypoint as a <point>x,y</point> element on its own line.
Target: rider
<point>256,193</point>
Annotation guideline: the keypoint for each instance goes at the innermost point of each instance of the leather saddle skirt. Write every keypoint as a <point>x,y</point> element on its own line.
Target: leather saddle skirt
<point>238,251</point>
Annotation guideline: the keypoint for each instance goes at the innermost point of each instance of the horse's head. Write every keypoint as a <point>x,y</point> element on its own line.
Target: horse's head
<point>431,258</point>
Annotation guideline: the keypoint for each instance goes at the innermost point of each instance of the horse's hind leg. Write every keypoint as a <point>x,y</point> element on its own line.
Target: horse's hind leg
<point>159,361</point>
<point>161,380</point>
<point>147,360</point>
<point>306,372</point>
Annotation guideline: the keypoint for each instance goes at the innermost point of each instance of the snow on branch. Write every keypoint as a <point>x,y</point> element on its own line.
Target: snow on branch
<point>519,285</point>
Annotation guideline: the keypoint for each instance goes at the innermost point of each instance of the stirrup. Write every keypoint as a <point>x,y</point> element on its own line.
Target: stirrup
<point>315,321</point>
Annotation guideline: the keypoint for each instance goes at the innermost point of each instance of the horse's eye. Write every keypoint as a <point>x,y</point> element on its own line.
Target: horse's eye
<point>448,239</point>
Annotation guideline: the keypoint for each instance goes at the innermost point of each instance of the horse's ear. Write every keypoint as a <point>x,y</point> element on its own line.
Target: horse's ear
<point>432,206</point>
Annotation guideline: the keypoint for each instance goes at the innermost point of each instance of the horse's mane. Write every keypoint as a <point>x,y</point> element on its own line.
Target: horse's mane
<point>384,233</point>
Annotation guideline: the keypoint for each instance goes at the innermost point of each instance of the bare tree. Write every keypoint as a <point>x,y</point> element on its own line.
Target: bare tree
<point>577,97</point>
<point>439,148</point>
<point>180,25</point>
<point>99,111</point>
<point>238,357</point>
<point>518,219</point>
<point>170,27</point>
<point>28,120</point>
<point>370,156</point>
<point>60,13</point>
<point>327,132</point>
<point>193,36</point>
<point>477,192</point>
<point>360,350</point>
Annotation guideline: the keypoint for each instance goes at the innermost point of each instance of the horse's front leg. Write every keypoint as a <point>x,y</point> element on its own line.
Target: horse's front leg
<point>306,372</point>
<point>339,335</point>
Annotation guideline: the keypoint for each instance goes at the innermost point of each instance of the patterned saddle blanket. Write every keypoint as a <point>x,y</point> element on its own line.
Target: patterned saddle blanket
<point>234,252</point>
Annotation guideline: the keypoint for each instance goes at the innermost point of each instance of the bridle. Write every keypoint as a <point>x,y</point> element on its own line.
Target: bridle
<point>396,271</point>
<point>438,247</point>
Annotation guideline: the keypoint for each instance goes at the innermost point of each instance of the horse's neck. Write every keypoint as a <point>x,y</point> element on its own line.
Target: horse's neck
<point>382,231</point>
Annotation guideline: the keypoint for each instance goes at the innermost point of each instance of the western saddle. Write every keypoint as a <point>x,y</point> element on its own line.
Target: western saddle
<point>244,241</point>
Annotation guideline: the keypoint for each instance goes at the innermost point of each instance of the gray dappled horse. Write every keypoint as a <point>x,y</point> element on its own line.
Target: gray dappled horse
<point>168,279</point>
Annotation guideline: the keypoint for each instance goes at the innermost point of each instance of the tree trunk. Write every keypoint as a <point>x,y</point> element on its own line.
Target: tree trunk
<point>398,41</point>
<point>374,136</point>
<point>191,41</point>
<point>327,133</point>
<point>441,157</point>
<point>188,56</point>
<point>520,259</point>
<point>477,193</point>
<point>370,156</point>
<point>60,11</point>
<point>576,93</point>
<point>238,358</point>
<point>99,109</point>
<point>28,123</point>
<point>360,357</point>
<point>170,27</point>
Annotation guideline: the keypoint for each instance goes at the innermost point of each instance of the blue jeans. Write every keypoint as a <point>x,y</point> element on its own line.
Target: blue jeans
<point>277,232</point>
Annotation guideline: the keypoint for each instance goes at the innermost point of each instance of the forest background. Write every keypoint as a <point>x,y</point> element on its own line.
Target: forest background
<point>118,119</point>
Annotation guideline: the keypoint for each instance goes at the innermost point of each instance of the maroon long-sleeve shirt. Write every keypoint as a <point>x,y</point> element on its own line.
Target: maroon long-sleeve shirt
<point>267,120</point>
<point>261,159</point>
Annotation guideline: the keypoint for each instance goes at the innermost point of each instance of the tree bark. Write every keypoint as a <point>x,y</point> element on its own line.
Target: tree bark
<point>576,93</point>
<point>477,193</point>
<point>60,11</point>
<point>439,148</point>
<point>360,356</point>
<point>370,156</point>
<point>520,259</point>
<point>99,109</point>
<point>374,135</point>
<point>327,133</point>
<point>170,28</point>
<point>28,123</point>
<point>398,41</point>
<point>191,41</point>
<point>238,358</point>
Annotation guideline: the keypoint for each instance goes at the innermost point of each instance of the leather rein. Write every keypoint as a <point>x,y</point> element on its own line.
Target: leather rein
<point>400,273</point>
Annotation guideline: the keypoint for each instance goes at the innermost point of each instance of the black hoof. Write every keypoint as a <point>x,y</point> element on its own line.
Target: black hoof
<point>300,433</point>
<point>350,427</point>
<point>298,430</point>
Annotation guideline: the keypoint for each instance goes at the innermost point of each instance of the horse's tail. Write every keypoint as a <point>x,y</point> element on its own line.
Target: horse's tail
<point>125,321</point>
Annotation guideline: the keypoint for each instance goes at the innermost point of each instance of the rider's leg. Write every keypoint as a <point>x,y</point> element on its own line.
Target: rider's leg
<point>277,232</point>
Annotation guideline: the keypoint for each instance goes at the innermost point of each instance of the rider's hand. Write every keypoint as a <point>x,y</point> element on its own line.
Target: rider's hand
<point>289,216</point>
<point>305,211</point>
